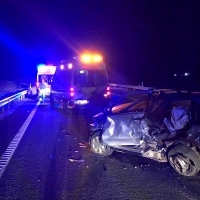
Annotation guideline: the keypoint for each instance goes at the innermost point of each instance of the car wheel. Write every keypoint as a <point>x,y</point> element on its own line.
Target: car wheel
<point>98,147</point>
<point>184,160</point>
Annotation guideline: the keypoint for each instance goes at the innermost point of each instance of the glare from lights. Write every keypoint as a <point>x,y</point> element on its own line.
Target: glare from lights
<point>71,89</point>
<point>50,69</point>
<point>61,66</point>
<point>86,58</point>
<point>186,74</point>
<point>71,94</point>
<point>175,75</point>
<point>82,72</point>
<point>108,88</point>
<point>70,66</point>
<point>81,102</point>
<point>97,58</point>
<point>40,65</point>
<point>89,58</point>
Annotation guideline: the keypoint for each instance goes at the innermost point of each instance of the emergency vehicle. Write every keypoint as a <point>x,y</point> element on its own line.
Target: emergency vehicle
<point>81,82</point>
<point>47,72</point>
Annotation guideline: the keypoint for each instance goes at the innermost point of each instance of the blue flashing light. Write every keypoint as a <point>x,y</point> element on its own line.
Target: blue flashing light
<point>40,65</point>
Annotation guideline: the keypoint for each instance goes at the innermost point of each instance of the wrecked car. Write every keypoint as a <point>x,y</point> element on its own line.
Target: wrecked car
<point>161,126</point>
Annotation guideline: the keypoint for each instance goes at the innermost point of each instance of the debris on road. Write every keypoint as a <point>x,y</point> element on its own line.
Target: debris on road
<point>83,146</point>
<point>66,132</point>
<point>74,160</point>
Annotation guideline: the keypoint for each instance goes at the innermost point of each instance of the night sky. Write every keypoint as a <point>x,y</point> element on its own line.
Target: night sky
<point>141,40</point>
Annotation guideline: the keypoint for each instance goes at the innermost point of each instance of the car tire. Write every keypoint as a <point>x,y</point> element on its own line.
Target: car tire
<point>98,147</point>
<point>184,160</point>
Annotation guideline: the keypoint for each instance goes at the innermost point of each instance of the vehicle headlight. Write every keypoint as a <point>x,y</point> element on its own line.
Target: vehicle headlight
<point>81,102</point>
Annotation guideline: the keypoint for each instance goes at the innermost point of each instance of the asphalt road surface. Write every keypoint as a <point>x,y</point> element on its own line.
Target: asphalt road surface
<point>54,161</point>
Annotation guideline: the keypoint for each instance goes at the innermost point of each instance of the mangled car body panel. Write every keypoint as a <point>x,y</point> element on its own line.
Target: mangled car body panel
<point>123,129</point>
<point>159,126</point>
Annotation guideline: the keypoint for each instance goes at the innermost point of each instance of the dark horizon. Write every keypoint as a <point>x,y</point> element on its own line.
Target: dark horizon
<point>141,41</point>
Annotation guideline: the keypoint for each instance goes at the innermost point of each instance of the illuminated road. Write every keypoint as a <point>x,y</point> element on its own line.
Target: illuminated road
<point>54,161</point>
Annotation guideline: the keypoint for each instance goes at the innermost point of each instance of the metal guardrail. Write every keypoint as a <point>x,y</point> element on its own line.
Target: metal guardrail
<point>133,88</point>
<point>6,101</point>
<point>129,87</point>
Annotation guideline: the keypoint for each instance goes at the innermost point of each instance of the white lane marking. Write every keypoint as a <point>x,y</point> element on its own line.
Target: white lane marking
<point>5,159</point>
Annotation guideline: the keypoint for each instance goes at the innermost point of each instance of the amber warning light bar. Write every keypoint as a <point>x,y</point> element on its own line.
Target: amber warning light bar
<point>90,58</point>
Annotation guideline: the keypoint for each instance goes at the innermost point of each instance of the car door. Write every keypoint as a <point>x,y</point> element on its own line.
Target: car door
<point>123,127</point>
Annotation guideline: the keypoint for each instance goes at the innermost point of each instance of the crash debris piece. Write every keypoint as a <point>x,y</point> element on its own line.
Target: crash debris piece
<point>83,146</point>
<point>74,160</point>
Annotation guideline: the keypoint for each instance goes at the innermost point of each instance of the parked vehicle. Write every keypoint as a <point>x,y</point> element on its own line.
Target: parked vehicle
<point>45,72</point>
<point>81,82</point>
<point>163,127</point>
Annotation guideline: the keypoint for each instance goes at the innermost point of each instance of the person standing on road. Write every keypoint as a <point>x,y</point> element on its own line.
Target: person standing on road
<point>42,90</point>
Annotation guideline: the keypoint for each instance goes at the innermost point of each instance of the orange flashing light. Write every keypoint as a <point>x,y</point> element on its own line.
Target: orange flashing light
<point>97,58</point>
<point>89,58</point>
